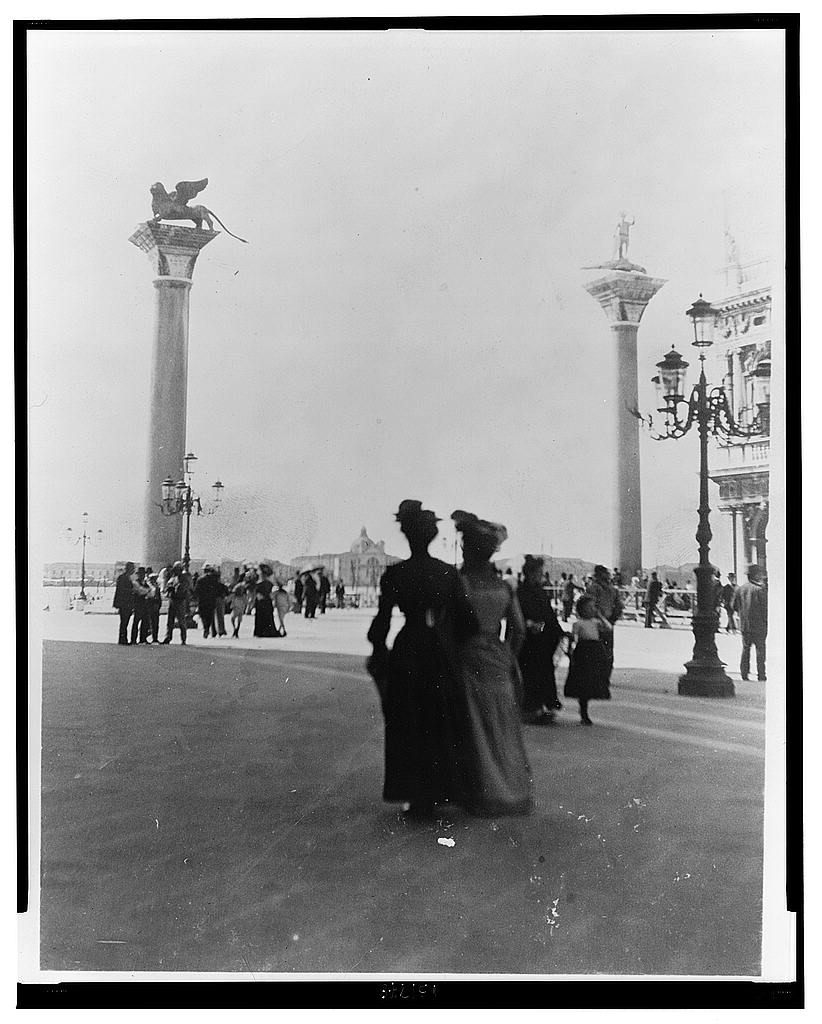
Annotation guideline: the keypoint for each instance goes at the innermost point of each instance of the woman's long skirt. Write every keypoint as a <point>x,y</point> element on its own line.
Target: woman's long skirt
<point>264,618</point>
<point>536,660</point>
<point>497,777</point>
<point>421,755</point>
<point>589,672</point>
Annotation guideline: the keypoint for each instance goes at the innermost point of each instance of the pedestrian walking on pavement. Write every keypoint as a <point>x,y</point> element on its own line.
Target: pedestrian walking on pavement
<point>652,596</point>
<point>298,594</point>
<point>251,578</point>
<point>139,623</point>
<point>339,592</point>
<point>497,777</point>
<point>178,589</point>
<point>220,596</point>
<point>608,605</point>
<point>282,606</point>
<point>264,605</point>
<point>568,592</point>
<point>154,601</point>
<point>590,666</point>
<point>543,634</point>
<point>237,599</point>
<point>205,590</point>
<point>751,601</point>
<point>418,678</point>
<point>310,595</point>
<point>124,600</point>
<point>728,595</point>
<point>323,590</point>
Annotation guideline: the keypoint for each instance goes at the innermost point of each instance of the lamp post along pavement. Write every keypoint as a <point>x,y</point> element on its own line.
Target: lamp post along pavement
<point>708,408</point>
<point>84,538</point>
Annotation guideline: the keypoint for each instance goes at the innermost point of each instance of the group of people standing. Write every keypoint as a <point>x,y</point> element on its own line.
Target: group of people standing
<point>474,660</point>
<point>137,599</point>
<point>139,593</point>
<point>312,589</point>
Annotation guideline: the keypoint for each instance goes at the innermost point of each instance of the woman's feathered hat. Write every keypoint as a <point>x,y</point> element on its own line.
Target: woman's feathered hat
<point>533,562</point>
<point>470,525</point>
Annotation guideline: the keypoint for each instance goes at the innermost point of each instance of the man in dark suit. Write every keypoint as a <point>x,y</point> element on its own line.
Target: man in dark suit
<point>751,601</point>
<point>124,600</point>
<point>310,595</point>
<point>652,596</point>
<point>178,588</point>
<point>324,591</point>
<point>728,595</point>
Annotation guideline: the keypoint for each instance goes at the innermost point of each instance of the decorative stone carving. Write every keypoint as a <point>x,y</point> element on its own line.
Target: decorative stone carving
<point>624,295</point>
<point>172,249</point>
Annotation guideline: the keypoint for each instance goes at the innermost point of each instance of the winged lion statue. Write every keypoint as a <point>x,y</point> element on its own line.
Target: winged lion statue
<point>174,205</point>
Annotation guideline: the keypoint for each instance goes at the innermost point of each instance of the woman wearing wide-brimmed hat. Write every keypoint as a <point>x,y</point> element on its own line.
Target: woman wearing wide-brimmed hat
<point>495,766</point>
<point>418,679</point>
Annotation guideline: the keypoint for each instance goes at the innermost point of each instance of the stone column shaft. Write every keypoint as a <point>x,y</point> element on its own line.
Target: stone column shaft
<point>627,495</point>
<point>167,426</point>
<point>624,294</point>
<point>173,252</point>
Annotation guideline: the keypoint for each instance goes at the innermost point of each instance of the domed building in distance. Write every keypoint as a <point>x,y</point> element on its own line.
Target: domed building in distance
<point>359,568</point>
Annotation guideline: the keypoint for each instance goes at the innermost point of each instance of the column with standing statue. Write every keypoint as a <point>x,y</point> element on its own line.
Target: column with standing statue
<point>624,293</point>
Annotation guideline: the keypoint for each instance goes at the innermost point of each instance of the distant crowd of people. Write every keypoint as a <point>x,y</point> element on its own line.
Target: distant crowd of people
<point>139,593</point>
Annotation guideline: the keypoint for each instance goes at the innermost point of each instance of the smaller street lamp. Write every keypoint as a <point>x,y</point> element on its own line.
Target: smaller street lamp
<point>84,538</point>
<point>179,499</point>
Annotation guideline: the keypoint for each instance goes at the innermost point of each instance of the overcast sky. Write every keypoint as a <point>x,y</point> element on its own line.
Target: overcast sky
<point>408,318</point>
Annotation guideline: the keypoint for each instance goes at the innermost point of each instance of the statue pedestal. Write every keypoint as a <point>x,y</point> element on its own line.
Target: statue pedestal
<point>624,293</point>
<point>172,251</point>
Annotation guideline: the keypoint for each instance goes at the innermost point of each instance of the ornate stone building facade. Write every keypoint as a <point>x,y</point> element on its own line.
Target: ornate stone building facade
<point>359,567</point>
<point>742,363</point>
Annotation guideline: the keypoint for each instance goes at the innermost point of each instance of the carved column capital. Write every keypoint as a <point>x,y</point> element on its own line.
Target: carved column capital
<point>171,249</point>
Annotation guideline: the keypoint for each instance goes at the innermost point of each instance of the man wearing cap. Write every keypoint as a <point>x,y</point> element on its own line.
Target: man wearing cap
<point>608,604</point>
<point>751,601</point>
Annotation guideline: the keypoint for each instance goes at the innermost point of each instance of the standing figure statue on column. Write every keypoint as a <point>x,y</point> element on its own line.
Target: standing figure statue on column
<point>621,237</point>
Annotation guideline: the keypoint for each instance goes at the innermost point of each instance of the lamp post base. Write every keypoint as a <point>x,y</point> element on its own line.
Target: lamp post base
<point>703,679</point>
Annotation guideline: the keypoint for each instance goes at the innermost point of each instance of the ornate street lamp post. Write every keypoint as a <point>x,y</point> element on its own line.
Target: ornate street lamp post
<point>179,499</point>
<point>707,408</point>
<point>84,538</point>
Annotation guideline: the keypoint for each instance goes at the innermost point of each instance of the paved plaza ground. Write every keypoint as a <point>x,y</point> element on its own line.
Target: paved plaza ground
<point>218,807</point>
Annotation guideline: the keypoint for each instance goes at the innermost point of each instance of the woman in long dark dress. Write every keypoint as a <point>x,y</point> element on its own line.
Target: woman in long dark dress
<point>496,771</point>
<point>543,634</point>
<point>263,605</point>
<point>417,678</point>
